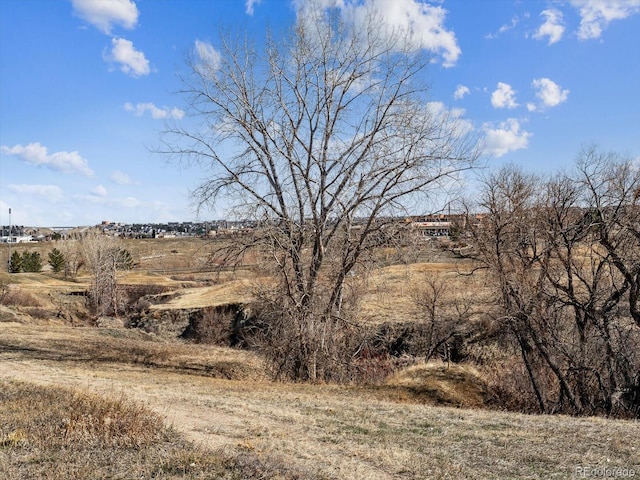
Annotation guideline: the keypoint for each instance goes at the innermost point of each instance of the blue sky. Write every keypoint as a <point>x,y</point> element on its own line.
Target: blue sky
<point>86,86</point>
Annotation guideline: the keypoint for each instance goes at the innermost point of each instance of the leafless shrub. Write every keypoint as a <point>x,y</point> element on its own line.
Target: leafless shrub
<point>41,313</point>
<point>444,316</point>
<point>213,325</point>
<point>302,347</point>
<point>14,296</point>
<point>104,257</point>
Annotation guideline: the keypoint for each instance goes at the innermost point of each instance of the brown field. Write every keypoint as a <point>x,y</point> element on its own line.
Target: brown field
<point>197,411</point>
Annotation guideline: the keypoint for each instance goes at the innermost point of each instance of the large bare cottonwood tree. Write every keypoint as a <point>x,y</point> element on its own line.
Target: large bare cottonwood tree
<point>318,136</point>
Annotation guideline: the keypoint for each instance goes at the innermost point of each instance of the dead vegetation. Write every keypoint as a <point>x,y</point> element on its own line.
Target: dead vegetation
<point>98,346</point>
<point>385,425</point>
<point>66,433</point>
<point>441,384</point>
<point>259,429</point>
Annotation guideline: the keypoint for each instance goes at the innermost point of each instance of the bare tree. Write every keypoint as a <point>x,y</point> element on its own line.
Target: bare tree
<point>72,255</point>
<point>610,186</point>
<point>563,253</point>
<point>444,314</point>
<point>103,256</point>
<point>318,138</point>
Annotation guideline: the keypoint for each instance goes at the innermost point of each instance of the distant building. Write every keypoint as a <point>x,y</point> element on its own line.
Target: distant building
<point>17,239</point>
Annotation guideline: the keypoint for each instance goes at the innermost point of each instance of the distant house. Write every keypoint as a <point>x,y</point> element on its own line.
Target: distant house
<point>17,239</point>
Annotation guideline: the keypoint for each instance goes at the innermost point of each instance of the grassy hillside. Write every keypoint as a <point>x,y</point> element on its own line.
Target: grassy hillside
<point>238,426</point>
<point>183,264</point>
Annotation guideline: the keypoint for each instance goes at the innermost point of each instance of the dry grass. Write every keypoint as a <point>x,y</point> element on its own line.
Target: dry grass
<point>436,382</point>
<point>59,417</point>
<point>388,292</point>
<point>14,296</point>
<point>234,291</point>
<point>104,345</point>
<point>331,432</point>
<point>180,265</point>
<point>316,431</point>
<point>260,429</point>
<point>66,433</point>
<point>385,292</point>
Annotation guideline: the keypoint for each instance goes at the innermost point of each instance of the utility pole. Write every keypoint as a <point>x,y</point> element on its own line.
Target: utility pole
<point>9,240</point>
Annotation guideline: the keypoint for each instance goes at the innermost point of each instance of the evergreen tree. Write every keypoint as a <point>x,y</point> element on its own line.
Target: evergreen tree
<point>124,260</point>
<point>56,260</point>
<point>31,262</point>
<point>15,263</point>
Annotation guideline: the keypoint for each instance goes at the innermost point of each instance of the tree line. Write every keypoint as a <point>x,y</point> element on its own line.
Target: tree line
<point>101,255</point>
<point>563,256</point>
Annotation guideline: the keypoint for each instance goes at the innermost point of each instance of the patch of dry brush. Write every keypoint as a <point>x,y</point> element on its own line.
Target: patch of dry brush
<point>61,433</point>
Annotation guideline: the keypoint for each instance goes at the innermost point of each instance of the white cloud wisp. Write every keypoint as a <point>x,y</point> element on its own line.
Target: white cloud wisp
<point>249,4</point>
<point>157,113</point>
<point>595,15</point>
<point>504,28</point>
<point>51,193</point>
<point>553,27</point>
<point>120,178</point>
<point>460,92</point>
<point>210,59</point>
<point>37,154</point>
<point>99,191</point>
<point>549,92</point>
<point>422,24</point>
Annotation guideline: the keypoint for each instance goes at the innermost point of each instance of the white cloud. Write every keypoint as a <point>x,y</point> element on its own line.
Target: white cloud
<point>132,61</point>
<point>504,96</point>
<point>36,154</point>
<point>126,202</point>
<point>423,24</point>
<point>249,4</point>
<point>506,138</point>
<point>120,178</point>
<point>105,14</point>
<point>552,27</point>
<point>505,28</point>
<point>452,117</point>
<point>549,92</point>
<point>595,15</point>
<point>99,191</point>
<point>460,92</point>
<point>156,112</point>
<point>210,58</point>
<point>109,202</point>
<point>51,193</point>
